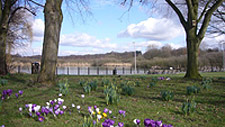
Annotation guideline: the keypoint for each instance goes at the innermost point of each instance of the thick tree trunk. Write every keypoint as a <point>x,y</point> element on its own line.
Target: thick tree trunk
<point>3,65</point>
<point>192,55</point>
<point>53,21</point>
<point>4,18</point>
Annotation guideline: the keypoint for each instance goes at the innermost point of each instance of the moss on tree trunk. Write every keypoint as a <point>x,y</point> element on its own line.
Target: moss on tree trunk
<point>192,56</point>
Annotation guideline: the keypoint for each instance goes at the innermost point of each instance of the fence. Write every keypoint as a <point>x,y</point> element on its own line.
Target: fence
<point>109,71</point>
<point>86,70</point>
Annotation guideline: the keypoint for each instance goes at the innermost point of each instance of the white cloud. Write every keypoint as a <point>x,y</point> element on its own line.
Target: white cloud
<point>153,29</point>
<point>85,40</point>
<point>38,29</point>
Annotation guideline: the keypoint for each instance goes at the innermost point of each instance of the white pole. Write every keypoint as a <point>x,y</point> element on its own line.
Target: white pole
<point>135,64</point>
<point>223,56</point>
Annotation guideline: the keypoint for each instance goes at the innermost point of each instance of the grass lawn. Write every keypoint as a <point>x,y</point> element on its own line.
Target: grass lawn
<point>145,103</point>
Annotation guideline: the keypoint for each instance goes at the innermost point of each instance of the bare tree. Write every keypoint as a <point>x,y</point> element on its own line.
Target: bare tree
<point>195,16</point>
<point>53,20</point>
<point>8,9</point>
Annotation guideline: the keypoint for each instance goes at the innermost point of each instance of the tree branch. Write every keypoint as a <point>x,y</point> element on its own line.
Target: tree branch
<point>36,3</point>
<point>203,12</point>
<point>207,18</point>
<point>181,17</point>
<point>18,8</point>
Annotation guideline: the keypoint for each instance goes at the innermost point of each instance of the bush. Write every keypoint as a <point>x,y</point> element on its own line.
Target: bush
<point>192,90</point>
<point>189,107</point>
<point>167,95</point>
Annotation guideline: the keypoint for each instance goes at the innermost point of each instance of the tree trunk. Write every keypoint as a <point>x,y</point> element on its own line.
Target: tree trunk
<point>4,18</point>
<point>192,55</point>
<point>53,20</point>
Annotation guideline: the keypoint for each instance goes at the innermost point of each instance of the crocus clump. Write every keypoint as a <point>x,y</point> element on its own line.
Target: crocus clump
<point>20,93</point>
<point>122,112</point>
<point>108,123</point>
<point>6,94</point>
<point>53,107</point>
<point>153,123</point>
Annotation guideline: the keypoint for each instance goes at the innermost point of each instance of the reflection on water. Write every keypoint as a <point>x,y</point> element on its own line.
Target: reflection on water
<point>85,70</point>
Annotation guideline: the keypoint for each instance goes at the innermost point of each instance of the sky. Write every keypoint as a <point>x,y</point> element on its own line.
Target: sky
<point>109,27</point>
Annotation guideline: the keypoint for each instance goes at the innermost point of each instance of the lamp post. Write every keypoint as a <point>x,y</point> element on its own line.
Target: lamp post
<point>135,64</point>
<point>223,45</point>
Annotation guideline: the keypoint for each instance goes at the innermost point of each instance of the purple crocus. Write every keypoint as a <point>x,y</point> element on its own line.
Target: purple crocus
<point>46,111</point>
<point>106,110</point>
<point>95,106</point>
<point>61,112</point>
<point>147,122</point>
<point>60,102</point>
<point>121,112</point>
<point>20,92</point>
<point>56,107</point>
<point>158,123</point>
<point>120,124</point>
<point>138,121</point>
<point>9,92</point>
<point>38,113</point>
<point>17,95</point>
<point>52,102</point>
<point>94,122</point>
<point>41,118</point>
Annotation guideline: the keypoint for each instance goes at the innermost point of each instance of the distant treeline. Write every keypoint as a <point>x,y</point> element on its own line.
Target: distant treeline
<point>162,58</point>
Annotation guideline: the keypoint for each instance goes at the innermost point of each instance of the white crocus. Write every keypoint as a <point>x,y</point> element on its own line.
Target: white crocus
<point>37,108</point>
<point>60,95</point>
<point>97,109</point>
<point>99,117</point>
<point>30,105</point>
<point>47,103</point>
<point>78,107</point>
<point>82,95</point>
<point>73,105</point>
<point>64,107</point>
<point>60,99</point>
<point>55,100</point>
<point>135,121</point>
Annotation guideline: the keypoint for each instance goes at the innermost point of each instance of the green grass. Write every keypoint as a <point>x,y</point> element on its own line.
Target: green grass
<point>145,103</point>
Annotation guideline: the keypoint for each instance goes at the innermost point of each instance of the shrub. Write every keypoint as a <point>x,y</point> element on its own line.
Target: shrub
<point>63,86</point>
<point>167,95</point>
<point>189,107</point>
<point>192,90</point>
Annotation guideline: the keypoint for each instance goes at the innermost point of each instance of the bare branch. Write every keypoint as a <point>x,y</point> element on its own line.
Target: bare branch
<point>18,8</point>
<point>204,10</point>
<point>37,3</point>
<point>207,18</point>
<point>181,17</point>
